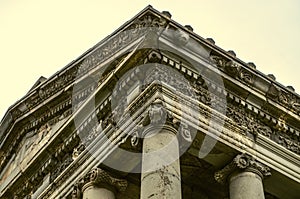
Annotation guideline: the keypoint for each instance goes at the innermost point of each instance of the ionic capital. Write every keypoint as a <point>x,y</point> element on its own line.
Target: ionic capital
<point>76,192</point>
<point>242,162</point>
<point>100,178</point>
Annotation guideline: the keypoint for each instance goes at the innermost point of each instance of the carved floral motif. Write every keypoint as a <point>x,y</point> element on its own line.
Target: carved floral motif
<point>290,100</point>
<point>246,120</point>
<point>244,161</point>
<point>233,68</point>
<point>254,126</point>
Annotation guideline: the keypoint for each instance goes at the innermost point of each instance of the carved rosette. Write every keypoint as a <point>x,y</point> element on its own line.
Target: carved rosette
<point>99,177</point>
<point>242,162</point>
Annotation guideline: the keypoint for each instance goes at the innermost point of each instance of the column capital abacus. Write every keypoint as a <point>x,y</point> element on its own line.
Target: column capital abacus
<point>242,162</point>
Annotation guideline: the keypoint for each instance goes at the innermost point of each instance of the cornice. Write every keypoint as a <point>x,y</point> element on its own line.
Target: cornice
<point>191,121</point>
<point>241,141</point>
<point>138,108</point>
<point>82,65</point>
<point>226,62</point>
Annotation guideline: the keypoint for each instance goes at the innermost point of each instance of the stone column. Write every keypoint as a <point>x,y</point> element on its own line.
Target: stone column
<point>160,177</point>
<point>99,185</point>
<point>245,176</point>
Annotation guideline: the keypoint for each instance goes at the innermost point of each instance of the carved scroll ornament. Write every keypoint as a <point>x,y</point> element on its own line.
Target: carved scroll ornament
<point>242,162</point>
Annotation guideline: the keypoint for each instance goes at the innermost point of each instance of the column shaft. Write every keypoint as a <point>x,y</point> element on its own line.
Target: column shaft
<point>160,176</point>
<point>91,191</point>
<point>246,185</point>
<point>98,184</point>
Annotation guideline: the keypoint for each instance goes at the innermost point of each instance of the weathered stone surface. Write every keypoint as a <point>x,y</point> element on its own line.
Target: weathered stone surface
<point>48,137</point>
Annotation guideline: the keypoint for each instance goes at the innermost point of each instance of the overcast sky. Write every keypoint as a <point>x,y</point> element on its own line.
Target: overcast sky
<point>38,37</point>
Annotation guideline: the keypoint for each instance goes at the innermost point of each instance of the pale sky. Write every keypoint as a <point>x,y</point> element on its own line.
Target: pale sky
<point>39,37</point>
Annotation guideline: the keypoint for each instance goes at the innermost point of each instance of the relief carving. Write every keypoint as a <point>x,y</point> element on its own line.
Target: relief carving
<point>172,78</point>
<point>242,162</point>
<point>290,100</point>
<point>246,120</point>
<point>99,177</point>
<point>42,134</point>
<point>233,68</point>
<point>254,127</point>
<point>76,192</point>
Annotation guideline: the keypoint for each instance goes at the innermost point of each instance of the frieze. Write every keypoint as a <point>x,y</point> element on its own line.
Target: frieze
<point>61,165</point>
<point>255,126</point>
<point>233,69</point>
<point>252,124</point>
<point>287,99</point>
<point>170,77</point>
<point>248,121</point>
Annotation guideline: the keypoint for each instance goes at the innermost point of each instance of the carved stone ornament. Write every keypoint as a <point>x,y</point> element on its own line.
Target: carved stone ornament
<point>290,100</point>
<point>185,133</point>
<point>99,177</point>
<point>157,112</point>
<point>76,193</point>
<point>242,162</point>
<point>233,68</point>
<point>136,135</point>
<point>248,121</point>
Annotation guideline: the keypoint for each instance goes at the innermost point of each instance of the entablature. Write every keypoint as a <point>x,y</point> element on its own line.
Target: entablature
<point>259,113</point>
